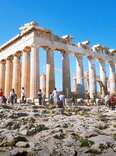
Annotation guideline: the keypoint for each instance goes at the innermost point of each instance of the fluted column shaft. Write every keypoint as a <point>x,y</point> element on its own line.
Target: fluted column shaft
<point>16,75</point>
<point>86,82</point>
<point>75,86</point>
<point>112,78</point>
<point>66,75</point>
<point>92,78</point>
<point>2,74</point>
<point>80,77</point>
<point>8,77</point>
<point>50,74</point>
<point>103,76</point>
<point>43,83</point>
<point>25,72</point>
<point>34,73</point>
<point>19,80</point>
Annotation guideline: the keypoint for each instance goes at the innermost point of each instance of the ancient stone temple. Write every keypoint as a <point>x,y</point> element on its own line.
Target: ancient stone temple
<point>19,63</point>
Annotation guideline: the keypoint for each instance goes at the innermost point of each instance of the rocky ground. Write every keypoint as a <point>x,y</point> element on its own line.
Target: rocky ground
<point>30,130</point>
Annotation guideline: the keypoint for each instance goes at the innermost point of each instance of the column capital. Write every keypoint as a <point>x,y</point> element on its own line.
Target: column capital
<point>17,54</point>
<point>49,49</point>
<point>27,49</point>
<point>3,61</point>
<point>10,58</point>
<point>111,63</point>
<point>64,53</point>
<point>101,61</point>
<point>90,57</point>
<point>78,56</point>
<point>33,45</point>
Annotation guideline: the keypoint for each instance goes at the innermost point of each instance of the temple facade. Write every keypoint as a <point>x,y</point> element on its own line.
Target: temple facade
<point>19,63</point>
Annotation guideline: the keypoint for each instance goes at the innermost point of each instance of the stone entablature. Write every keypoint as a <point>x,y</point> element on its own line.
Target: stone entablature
<point>45,38</point>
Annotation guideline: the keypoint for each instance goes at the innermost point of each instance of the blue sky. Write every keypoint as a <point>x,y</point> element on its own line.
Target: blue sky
<point>92,20</point>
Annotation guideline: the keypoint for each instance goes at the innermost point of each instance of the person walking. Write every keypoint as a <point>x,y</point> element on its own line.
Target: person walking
<point>62,99</point>
<point>12,96</point>
<point>23,95</point>
<point>55,96</point>
<point>106,100</point>
<point>1,96</point>
<point>40,97</point>
<point>51,98</point>
<point>43,98</point>
<point>112,101</point>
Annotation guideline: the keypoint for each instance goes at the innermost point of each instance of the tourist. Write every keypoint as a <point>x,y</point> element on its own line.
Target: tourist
<point>112,101</point>
<point>23,95</point>
<point>12,96</point>
<point>15,98</point>
<point>60,103</point>
<point>62,99</point>
<point>97,101</point>
<point>1,96</point>
<point>94,99</point>
<point>55,96</point>
<point>4,99</point>
<point>40,97</point>
<point>51,98</point>
<point>101,100</point>
<point>106,100</point>
<point>73,99</point>
<point>43,98</point>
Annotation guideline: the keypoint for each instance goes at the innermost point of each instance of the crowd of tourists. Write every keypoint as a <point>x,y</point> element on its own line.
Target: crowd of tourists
<point>110,100</point>
<point>58,99</point>
<point>12,98</point>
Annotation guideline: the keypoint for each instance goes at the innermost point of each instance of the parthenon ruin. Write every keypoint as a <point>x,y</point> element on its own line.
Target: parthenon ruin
<point>19,62</point>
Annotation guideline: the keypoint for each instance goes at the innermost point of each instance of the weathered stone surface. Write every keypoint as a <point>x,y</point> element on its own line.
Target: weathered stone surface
<point>9,140</point>
<point>81,131</point>
<point>22,144</point>
<point>95,149</point>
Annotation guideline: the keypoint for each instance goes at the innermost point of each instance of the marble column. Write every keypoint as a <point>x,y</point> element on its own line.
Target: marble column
<point>75,86</point>
<point>43,83</point>
<point>66,75</point>
<point>19,80</point>
<point>25,72</point>
<point>8,76</point>
<point>103,76</point>
<point>16,74</point>
<point>34,72</point>
<point>2,74</point>
<point>86,82</point>
<point>92,78</point>
<point>80,77</point>
<point>50,74</point>
<point>112,78</point>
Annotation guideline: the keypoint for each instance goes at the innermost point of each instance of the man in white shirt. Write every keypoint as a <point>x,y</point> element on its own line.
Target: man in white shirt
<point>62,98</point>
<point>61,103</point>
<point>55,96</point>
<point>23,95</point>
